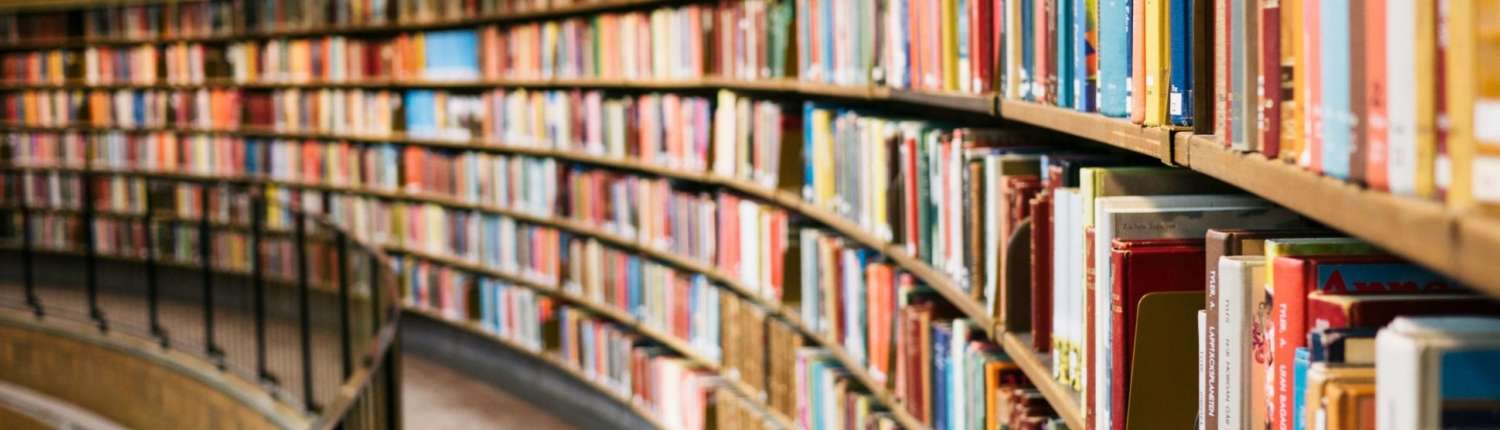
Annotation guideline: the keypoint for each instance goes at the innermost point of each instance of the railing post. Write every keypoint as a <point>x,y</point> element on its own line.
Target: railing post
<point>90,254</point>
<point>304,316</point>
<point>147,222</point>
<point>206,261</point>
<point>342,264</point>
<point>375,308</point>
<point>258,208</point>
<point>393,383</point>
<point>28,272</point>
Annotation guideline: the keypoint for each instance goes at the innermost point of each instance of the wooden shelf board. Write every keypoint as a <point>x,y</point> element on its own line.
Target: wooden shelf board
<point>1037,368</point>
<point>1120,133</point>
<point>1423,231</point>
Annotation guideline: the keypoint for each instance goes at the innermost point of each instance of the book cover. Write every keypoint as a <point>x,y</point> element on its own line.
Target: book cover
<point>1375,123</point>
<point>1401,70</point>
<point>1242,278</point>
<point>1041,271</point>
<point>1357,111</point>
<point>940,337</point>
<point>1142,267</point>
<point>1336,144</point>
<point>1115,61</point>
<point>1156,50</point>
<point>1064,42</point>
<point>1223,60</point>
<point>1085,55</point>
<point>1268,79</point>
<point>1181,101</point>
<point>1137,68</point>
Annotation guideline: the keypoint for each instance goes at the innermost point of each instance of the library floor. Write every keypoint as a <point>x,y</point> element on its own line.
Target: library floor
<point>434,397</point>
<point>438,398</point>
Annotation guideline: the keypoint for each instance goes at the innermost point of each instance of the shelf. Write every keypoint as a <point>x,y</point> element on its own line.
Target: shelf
<point>578,8</point>
<point>1063,399</point>
<point>968,103</point>
<point>1461,245</point>
<point>1120,133</point>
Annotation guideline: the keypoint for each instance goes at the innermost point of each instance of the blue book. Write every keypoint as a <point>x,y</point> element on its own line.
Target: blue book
<point>1470,388</point>
<point>825,16</point>
<point>1337,133</point>
<point>1299,384</point>
<point>1114,57</point>
<point>941,333</point>
<point>1180,89</point>
<point>1064,43</point>
<point>809,143</point>
<point>451,54</point>
<point>139,107</point>
<point>1028,69</point>
<point>421,112</point>
<point>633,282</point>
<point>1085,24</point>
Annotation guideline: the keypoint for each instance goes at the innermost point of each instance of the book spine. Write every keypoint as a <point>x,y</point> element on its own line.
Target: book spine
<point>1268,79</point>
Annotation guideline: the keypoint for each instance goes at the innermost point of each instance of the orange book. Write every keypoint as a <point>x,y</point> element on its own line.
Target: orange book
<point>1375,124</point>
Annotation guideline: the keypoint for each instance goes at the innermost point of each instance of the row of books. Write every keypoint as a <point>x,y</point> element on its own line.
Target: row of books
<point>908,339</point>
<point>842,276</point>
<point>1391,95</point>
<point>174,19</point>
<point>203,108</point>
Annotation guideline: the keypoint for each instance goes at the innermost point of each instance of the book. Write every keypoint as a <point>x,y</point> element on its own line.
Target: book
<point>1140,268</point>
<point>1433,375</point>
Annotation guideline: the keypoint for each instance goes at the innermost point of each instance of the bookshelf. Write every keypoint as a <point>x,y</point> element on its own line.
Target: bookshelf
<point>1454,243</point>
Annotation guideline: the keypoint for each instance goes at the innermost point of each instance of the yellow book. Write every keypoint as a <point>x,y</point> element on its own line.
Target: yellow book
<point>823,150</point>
<point>1291,58</point>
<point>1157,63</point>
<point>1426,45</point>
<point>1349,405</point>
<point>950,44</point>
<point>1473,103</point>
<point>1460,82</point>
<point>1486,131</point>
<point>880,131</point>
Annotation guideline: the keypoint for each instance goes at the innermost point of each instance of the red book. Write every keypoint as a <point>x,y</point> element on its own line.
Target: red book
<point>1269,79</point>
<point>1294,277</point>
<point>1374,122</point>
<point>1041,271</point>
<point>1142,267</point>
<point>1326,310</point>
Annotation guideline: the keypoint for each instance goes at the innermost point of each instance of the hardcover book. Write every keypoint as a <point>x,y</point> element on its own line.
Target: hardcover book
<point>1438,372</point>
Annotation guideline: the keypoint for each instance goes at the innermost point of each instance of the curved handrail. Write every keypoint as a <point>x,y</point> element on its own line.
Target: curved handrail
<point>281,266</point>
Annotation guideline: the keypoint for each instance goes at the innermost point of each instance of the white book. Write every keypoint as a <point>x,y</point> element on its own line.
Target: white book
<point>1239,278</point>
<point>1425,360</point>
<point>1060,217</point>
<point>1401,102</point>
<point>1158,217</point>
<point>1077,328</point>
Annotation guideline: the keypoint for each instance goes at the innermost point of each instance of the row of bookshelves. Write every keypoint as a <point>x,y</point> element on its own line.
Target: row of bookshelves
<point>927,274</point>
<point>1381,215</point>
<point>955,294</point>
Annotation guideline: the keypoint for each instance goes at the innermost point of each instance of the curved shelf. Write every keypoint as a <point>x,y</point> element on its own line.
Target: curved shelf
<point>786,199</point>
<point>581,7</point>
<point>979,104</point>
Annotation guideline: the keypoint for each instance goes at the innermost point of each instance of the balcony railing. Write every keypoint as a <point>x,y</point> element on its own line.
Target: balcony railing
<point>238,275</point>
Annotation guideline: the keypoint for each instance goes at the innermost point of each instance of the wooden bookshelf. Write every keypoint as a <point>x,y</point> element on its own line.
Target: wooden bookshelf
<point>1063,399</point>
<point>581,7</point>
<point>1120,133</point>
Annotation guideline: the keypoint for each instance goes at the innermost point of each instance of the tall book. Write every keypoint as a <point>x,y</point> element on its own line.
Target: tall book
<point>1115,52</point>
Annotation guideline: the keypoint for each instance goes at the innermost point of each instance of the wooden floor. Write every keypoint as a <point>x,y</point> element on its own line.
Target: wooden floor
<point>437,398</point>
<point>434,397</point>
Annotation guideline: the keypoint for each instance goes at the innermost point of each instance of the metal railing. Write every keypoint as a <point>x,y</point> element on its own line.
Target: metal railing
<point>231,272</point>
